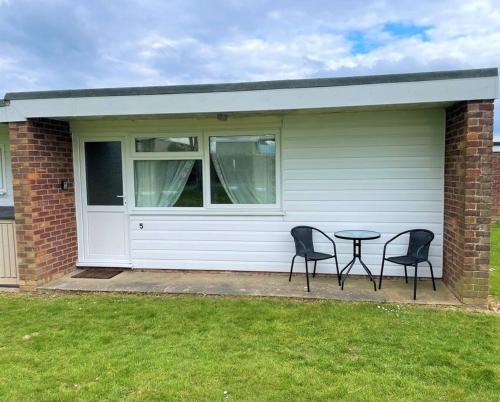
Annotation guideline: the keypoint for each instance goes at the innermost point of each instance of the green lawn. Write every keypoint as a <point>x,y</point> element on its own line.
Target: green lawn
<point>105,347</point>
<point>495,261</point>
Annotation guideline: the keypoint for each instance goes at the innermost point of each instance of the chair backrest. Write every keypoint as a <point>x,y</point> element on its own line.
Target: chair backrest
<point>420,241</point>
<point>302,235</point>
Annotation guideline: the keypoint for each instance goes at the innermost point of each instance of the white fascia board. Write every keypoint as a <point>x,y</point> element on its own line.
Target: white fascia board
<point>7,114</point>
<point>255,101</point>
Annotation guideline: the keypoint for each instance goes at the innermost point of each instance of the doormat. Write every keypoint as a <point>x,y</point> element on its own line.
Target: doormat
<point>98,273</point>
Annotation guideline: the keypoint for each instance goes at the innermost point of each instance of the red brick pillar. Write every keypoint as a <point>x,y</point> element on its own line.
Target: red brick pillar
<point>42,157</point>
<point>467,199</point>
<point>495,212</point>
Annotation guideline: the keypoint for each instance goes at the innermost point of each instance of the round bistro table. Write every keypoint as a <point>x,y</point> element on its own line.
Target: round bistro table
<point>357,236</point>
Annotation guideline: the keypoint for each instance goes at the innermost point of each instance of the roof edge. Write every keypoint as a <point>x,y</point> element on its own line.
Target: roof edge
<point>255,86</point>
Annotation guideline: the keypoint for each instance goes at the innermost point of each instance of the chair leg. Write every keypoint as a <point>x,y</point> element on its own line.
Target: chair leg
<point>432,275</point>
<point>291,269</point>
<point>415,283</point>
<point>314,272</point>
<point>337,266</point>
<point>381,273</point>
<point>406,275</point>
<point>307,276</point>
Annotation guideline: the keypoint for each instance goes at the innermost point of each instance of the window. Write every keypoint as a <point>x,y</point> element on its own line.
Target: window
<point>230,170</point>
<point>3,171</point>
<point>243,169</point>
<point>168,183</point>
<point>166,144</point>
<point>168,171</point>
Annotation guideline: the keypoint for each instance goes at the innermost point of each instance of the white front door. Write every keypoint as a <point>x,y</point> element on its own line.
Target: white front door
<point>105,223</point>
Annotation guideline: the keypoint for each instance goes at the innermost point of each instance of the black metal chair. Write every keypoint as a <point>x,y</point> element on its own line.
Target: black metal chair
<point>418,252</point>
<point>304,247</point>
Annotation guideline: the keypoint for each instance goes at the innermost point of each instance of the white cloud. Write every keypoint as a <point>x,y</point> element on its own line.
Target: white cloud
<point>185,41</point>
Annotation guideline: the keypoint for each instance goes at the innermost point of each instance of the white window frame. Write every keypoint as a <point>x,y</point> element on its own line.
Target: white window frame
<point>3,171</point>
<point>203,154</point>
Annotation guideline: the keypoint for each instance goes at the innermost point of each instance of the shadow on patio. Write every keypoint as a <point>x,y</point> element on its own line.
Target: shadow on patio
<point>251,284</point>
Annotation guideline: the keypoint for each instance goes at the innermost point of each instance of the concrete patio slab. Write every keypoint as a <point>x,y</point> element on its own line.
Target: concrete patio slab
<point>251,284</point>
<point>8,289</point>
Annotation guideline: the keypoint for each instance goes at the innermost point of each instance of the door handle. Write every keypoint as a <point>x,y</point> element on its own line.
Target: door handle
<point>124,197</point>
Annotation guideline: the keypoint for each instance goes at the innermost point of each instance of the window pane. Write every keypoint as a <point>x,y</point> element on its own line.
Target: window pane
<point>171,183</point>
<point>162,144</point>
<point>2,173</point>
<point>103,165</point>
<point>243,169</point>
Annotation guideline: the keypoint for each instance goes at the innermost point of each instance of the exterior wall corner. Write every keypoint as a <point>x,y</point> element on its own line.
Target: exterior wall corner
<point>467,200</point>
<point>42,157</point>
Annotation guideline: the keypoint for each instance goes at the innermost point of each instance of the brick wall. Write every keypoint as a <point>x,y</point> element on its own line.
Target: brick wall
<point>467,199</point>
<point>495,204</point>
<point>42,156</point>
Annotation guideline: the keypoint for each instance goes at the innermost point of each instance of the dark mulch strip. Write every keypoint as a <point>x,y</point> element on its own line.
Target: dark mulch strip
<point>98,273</point>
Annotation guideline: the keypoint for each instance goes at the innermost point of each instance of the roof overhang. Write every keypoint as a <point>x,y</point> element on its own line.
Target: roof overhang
<point>268,96</point>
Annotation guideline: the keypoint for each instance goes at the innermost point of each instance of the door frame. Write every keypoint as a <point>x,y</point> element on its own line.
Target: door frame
<point>81,194</point>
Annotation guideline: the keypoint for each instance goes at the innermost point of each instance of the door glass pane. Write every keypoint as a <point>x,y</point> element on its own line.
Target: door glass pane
<point>164,144</point>
<point>103,164</point>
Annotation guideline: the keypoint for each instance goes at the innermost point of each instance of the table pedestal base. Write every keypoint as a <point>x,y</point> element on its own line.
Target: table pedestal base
<point>348,267</point>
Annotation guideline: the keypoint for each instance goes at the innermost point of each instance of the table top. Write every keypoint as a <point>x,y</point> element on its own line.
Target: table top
<point>357,234</point>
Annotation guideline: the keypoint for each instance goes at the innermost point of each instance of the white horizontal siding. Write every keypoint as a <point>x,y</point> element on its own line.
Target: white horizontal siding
<point>381,171</point>
<point>365,173</point>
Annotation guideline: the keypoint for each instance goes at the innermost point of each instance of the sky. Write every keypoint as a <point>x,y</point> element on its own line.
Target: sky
<point>61,44</point>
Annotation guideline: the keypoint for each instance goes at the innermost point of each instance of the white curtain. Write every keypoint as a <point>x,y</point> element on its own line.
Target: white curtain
<point>246,168</point>
<point>160,183</point>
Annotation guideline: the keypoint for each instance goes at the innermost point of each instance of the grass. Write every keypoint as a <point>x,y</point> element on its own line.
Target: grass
<point>495,261</point>
<point>108,347</point>
<point>105,347</point>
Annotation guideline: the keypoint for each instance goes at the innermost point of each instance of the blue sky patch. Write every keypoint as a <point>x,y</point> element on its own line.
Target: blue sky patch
<point>406,30</point>
<point>361,44</point>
